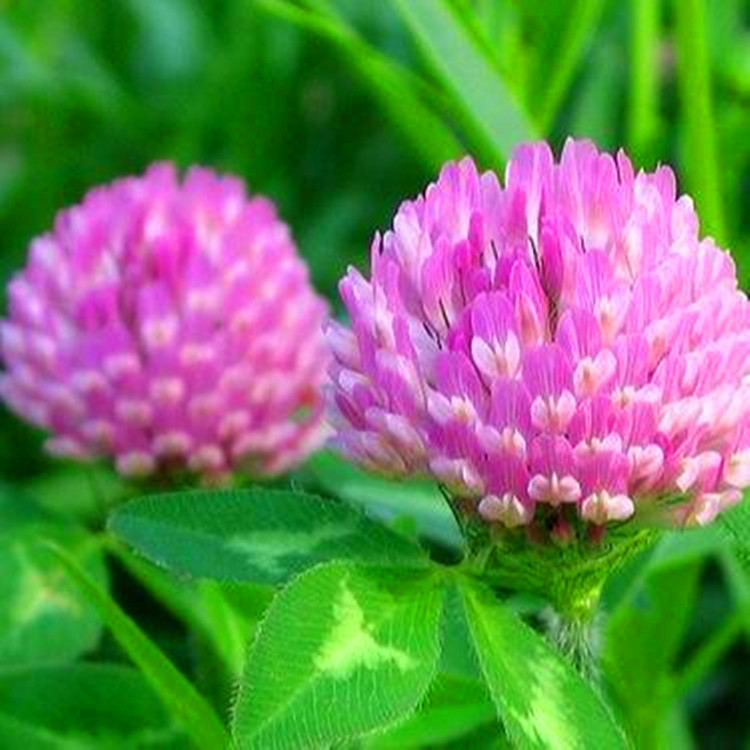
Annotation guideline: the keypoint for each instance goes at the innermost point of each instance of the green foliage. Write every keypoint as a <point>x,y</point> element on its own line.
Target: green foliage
<point>184,702</point>
<point>223,615</point>
<point>701,150</point>
<point>658,608</point>
<point>490,113</point>
<point>453,708</point>
<point>395,88</point>
<point>343,650</point>
<point>541,699</point>
<point>84,706</point>
<point>43,617</point>
<point>737,523</point>
<point>643,113</point>
<point>458,656</point>
<point>255,535</point>
<point>565,37</point>
<point>420,501</point>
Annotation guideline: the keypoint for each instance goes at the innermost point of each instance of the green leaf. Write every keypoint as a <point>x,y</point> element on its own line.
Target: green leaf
<point>388,499</point>
<point>542,701</point>
<point>343,650</point>
<point>94,704</point>
<point>77,492</point>
<point>676,733</point>
<point>457,655</point>
<point>255,535</point>
<point>189,708</point>
<point>17,509</point>
<point>453,709</point>
<point>43,617</point>
<point>736,562</point>
<point>658,610</point>
<point>490,112</point>
<point>15,733</point>
<point>674,549</point>
<point>222,614</point>
<point>737,523</point>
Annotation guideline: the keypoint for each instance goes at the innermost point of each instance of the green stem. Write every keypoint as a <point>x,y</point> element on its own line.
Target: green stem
<point>578,640</point>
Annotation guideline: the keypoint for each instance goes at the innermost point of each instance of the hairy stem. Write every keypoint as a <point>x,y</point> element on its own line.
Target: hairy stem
<point>578,640</point>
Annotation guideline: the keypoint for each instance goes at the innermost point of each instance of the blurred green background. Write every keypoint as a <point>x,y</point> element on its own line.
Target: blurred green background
<point>339,110</point>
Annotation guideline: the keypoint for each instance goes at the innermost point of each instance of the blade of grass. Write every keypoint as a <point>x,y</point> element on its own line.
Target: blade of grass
<point>401,94</point>
<point>708,654</point>
<point>179,696</point>
<point>555,78</point>
<point>494,120</point>
<point>644,76</point>
<point>699,148</point>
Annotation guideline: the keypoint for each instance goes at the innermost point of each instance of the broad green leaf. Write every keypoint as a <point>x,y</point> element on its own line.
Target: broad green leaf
<point>542,701</point>
<point>674,549</point>
<point>388,499</point>
<point>677,548</point>
<point>490,112</point>
<point>457,654</point>
<point>255,535</point>
<point>453,708</point>
<point>93,705</point>
<point>78,492</point>
<point>187,706</point>
<point>17,509</point>
<point>44,619</point>
<point>737,522</point>
<point>15,733</point>
<point>705,658</point>
<point>342,651</point>
<point>659,611</point>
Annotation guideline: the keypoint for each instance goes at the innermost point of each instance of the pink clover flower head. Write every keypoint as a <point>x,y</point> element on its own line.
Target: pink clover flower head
<point>565,348</point>
<point>171,325</point>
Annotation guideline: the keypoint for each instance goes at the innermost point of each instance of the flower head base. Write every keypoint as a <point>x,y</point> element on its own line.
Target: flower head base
<point>561,353</point>
<point>169,325</point>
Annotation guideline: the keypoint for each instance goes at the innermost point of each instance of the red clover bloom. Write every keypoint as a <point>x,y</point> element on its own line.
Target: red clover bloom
<point>564,352</point>
<point>170,325</point>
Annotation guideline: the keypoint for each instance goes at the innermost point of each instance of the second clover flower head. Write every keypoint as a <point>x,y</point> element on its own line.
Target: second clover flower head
<point>171,325</point>
<point>565,346</point>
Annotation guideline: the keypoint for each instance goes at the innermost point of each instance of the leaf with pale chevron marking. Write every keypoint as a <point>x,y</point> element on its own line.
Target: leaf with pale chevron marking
<point>343,650</point>
<point>256,535</point>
